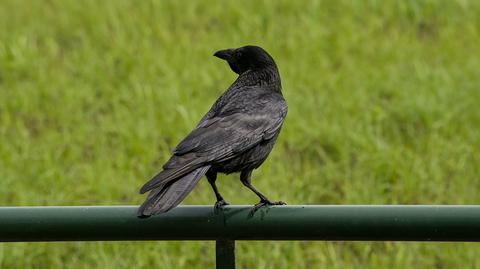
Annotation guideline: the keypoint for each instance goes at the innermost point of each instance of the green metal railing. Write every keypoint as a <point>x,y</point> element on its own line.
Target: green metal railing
<point>366,223</point>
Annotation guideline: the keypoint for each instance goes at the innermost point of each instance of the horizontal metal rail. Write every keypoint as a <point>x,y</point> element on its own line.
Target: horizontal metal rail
<point>368,223</point>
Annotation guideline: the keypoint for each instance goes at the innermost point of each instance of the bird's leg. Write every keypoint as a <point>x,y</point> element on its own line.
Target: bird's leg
<point>212,177</point>
<point>245,178</point>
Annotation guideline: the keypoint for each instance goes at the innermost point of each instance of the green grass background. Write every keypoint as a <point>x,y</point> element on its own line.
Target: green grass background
<point>383,109</point>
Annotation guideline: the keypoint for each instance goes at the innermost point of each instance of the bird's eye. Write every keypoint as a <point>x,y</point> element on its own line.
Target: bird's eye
<point>238,54</point>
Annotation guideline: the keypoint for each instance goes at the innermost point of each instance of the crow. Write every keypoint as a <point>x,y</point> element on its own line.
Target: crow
<point>236,135</point>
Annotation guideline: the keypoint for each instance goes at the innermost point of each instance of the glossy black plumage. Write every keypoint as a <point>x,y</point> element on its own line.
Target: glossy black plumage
<point>236,135</point>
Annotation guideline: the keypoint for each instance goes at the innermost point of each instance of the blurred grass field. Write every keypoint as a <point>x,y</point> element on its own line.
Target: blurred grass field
<point>383,109</point>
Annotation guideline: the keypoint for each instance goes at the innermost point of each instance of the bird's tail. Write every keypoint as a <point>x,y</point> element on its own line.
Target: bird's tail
<point>169,195</point>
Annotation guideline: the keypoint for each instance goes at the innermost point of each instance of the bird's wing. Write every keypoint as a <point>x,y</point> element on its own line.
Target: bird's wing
<point>219,139</point>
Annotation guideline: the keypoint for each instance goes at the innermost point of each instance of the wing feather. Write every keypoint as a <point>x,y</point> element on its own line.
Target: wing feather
<point>223,137</point>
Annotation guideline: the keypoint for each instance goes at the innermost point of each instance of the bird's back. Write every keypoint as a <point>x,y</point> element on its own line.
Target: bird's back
<point>260,101</point>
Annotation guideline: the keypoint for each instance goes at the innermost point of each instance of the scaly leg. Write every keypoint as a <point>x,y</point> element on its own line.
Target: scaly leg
<point>212,177</point>
<point>246,179</point>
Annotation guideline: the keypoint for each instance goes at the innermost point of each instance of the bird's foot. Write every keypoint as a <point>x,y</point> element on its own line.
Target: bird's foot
<point>264,203</point>
<point>219,204</point>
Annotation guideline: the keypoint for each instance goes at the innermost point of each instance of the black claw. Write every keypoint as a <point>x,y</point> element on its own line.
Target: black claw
<point>219,204</point>
<point>264,203</point>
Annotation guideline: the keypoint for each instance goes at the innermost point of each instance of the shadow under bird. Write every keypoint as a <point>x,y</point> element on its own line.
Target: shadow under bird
<point>236,135</point>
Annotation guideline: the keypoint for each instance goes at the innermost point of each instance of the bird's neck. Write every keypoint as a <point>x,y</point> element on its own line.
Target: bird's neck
<point>262,77</point>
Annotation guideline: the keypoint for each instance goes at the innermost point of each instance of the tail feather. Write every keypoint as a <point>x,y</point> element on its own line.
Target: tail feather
<point>159,180</point>
<point>176,167</point>
<point>169,195</point>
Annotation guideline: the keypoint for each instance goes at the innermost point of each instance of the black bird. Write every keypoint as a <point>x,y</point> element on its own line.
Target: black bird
<point>236,135</point>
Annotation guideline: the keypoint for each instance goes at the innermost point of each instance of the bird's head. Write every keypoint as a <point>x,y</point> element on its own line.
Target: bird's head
<point>246,58</point>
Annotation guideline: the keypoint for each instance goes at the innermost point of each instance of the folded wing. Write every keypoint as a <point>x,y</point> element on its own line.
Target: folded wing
<point>218,139</point>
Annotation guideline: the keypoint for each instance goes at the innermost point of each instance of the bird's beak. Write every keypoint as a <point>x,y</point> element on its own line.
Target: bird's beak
<point>224,54</point>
